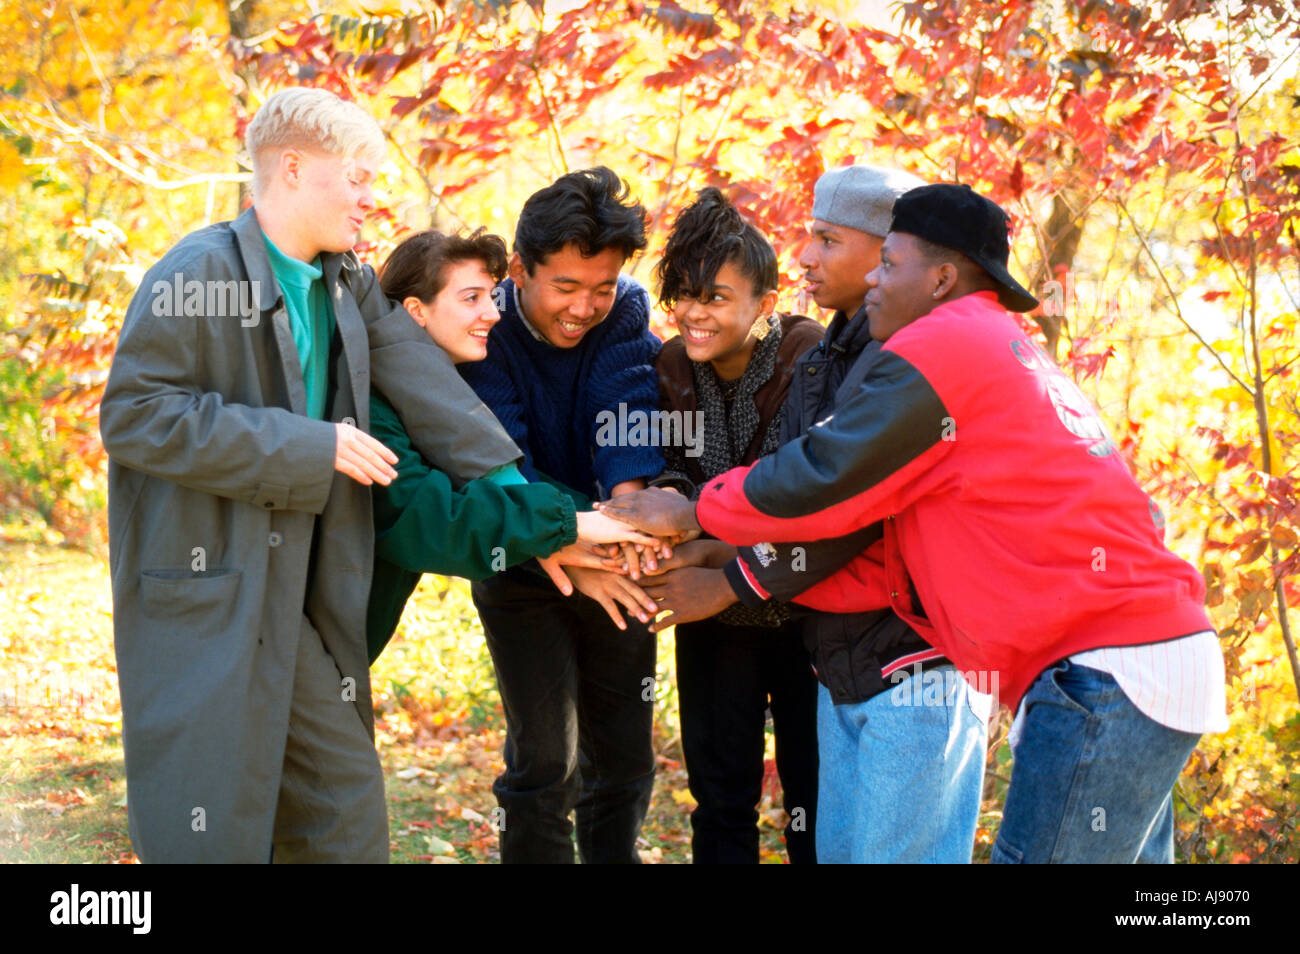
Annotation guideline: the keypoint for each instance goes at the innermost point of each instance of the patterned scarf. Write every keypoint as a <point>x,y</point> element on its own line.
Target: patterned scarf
<point>737,425</point>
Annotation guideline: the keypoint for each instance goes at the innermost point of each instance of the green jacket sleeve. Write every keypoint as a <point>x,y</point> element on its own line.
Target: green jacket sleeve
<point>424,525</point>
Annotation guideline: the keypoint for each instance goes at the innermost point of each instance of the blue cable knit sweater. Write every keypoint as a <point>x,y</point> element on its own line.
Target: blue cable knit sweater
<point>548,398</point>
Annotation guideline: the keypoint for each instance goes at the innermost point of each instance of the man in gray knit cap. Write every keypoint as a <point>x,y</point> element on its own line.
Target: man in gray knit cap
<point>901,736</point>
<point>851,212</point>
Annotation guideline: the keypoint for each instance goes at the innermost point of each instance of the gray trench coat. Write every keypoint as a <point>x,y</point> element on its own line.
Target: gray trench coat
<point>217,480</point>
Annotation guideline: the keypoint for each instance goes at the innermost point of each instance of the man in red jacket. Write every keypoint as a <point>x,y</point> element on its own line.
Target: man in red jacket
<point>1038,559</point>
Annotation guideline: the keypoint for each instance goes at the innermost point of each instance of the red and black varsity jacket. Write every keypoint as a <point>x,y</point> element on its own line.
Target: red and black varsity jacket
<point>1004,503</point>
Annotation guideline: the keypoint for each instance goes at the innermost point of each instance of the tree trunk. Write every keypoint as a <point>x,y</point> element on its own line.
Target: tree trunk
<point>1061,235</point>
<point>240,14</point>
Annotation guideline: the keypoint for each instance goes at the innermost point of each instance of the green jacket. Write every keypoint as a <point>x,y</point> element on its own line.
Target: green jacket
<point>422,525</point>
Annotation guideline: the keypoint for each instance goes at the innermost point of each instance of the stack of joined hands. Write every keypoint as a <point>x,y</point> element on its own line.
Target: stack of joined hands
<point>639,551</point>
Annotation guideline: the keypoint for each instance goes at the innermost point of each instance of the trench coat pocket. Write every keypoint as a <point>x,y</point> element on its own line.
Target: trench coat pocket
<point>200,603</point>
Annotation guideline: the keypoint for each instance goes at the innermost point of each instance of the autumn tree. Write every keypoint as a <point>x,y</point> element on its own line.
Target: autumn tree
<point>1147,156</point>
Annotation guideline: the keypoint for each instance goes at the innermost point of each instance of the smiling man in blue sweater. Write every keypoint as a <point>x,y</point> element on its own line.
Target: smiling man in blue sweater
<point>573,344</point>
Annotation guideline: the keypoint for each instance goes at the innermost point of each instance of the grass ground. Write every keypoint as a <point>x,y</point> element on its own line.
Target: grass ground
<point>439,731</point>
<point>439,726</point>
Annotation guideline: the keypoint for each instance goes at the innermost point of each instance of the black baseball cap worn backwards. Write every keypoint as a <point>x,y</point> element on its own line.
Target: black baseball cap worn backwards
<point>957,217</point>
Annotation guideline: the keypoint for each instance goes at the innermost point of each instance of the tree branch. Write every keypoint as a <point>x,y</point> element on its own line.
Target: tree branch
<point>1173,297</point>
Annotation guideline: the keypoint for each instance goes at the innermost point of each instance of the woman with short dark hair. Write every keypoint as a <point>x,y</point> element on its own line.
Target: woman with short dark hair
<point>422,524</point>
<point>732,363</point>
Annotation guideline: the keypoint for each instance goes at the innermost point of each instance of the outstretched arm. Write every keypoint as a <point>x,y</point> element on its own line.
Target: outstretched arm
<point>875,456</point>
<point>425,525</point>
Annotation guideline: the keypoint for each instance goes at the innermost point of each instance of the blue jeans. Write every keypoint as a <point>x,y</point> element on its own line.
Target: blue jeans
<point>1092,775</point>
<point>900,775</point>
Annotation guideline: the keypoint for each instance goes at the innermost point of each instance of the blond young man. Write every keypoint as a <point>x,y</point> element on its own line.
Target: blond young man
<point>241,541</point>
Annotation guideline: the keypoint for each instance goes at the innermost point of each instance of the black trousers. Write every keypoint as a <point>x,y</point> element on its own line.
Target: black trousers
<point>578,695</point>
<point>727,678</point>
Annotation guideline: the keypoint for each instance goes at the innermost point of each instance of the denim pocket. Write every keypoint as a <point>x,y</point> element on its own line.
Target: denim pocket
<point>1004,854</point>
<point>1079,687</point>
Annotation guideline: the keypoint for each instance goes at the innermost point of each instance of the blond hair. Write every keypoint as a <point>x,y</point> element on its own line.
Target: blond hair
<point>304,118</point>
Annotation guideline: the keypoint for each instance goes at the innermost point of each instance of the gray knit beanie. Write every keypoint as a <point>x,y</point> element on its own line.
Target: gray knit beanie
<point>860,197</point>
